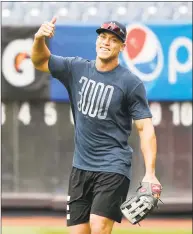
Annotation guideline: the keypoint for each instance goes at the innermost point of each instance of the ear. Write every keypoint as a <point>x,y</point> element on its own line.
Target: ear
<point>122,47</point>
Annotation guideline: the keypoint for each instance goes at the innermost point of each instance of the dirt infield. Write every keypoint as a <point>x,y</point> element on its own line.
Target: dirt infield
<point>61,222</point>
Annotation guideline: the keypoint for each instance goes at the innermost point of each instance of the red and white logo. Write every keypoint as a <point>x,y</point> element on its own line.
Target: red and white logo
<point>143,52</point>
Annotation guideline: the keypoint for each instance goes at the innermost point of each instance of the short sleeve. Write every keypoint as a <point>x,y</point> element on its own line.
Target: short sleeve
<point>138,104</point>
<point>60,68</point>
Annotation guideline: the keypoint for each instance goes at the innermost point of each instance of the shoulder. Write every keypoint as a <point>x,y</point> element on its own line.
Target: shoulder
<point>81,62</point>
<point>129,76</point>
<point>129,79</point>
<point>72,60</point>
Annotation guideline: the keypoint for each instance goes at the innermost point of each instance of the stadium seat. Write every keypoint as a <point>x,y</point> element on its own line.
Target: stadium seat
<point>157,12</point>
<point>11,16</point>
<point>119,12</point>
<point>94,12</point>
<point>27,6</point>
<point>7,5</point>
<point>69,14</point>
<point>134,10</point>
<point>35,17</point>
<point>183,12</point>
<point>54,7</point>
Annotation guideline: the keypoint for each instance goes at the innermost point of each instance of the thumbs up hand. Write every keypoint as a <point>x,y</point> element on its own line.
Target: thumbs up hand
<point>46,29</point>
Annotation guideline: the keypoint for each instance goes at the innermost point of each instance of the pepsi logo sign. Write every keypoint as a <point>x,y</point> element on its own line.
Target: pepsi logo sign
<point>143,53</point>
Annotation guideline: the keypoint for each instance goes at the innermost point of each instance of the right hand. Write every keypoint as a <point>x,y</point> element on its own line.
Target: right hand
<point>47,29</point>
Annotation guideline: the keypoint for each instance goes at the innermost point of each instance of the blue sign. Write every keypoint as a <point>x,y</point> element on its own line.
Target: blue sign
<point>160,55</point>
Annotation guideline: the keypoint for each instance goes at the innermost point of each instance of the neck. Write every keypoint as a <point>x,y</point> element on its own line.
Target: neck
<point>103,65</point>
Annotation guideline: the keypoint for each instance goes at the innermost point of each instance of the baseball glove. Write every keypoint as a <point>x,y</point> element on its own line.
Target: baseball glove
<point>136,208</point>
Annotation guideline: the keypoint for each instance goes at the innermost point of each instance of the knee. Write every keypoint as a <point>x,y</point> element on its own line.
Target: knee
<point>100,225</point>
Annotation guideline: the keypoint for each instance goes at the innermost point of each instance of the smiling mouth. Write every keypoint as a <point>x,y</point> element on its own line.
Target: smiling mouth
<point>104,49</point>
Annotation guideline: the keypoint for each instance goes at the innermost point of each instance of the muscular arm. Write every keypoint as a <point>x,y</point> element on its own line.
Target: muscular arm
<point>142,117</point>
<point>40,54</point>
<point>148,144</point>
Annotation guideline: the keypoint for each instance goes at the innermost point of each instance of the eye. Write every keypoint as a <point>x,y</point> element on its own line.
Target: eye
<point>114,40</point>
<point>102,36</point>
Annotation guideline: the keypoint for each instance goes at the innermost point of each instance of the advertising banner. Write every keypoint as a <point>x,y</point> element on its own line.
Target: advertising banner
<point>160,55</point>
<point>20,80</point>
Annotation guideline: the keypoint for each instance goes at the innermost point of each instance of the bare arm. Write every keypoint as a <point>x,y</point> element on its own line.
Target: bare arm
<point>40,53</point>
<point>148,147</point>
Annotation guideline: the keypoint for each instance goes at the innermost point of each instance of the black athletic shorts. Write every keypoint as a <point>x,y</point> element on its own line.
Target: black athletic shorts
<point>99,193</point>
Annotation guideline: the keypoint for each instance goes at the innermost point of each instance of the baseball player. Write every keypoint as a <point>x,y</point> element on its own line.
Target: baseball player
<point>105,97</point>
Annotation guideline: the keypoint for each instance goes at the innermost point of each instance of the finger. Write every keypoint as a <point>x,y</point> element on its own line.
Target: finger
<point>51,25</point>
<point>47,31</point>
<point>157,196</point>
<point>47,26</point>
<point>51,35</point>
<point>46,34</point>
<point>54,19</point>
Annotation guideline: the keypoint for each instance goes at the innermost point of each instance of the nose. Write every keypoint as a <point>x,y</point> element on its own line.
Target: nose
<point>106,41</point>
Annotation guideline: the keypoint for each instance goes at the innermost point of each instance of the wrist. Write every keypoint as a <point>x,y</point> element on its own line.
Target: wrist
<point>39,38</point>
<point>150,173</point>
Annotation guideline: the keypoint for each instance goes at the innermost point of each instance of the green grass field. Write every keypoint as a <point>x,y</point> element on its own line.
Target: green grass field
<point>36,230</point>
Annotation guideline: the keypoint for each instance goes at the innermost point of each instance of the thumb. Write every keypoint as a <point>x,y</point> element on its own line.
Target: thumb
<point>53,21</point>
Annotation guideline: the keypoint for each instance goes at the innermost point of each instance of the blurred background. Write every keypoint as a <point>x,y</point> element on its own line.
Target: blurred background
<point>36,120</point>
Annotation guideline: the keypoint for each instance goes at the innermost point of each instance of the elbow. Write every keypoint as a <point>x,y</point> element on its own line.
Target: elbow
<point>34,59</point>
<point>148,132</point>
<point>35,63</point>
<point>39,59</point>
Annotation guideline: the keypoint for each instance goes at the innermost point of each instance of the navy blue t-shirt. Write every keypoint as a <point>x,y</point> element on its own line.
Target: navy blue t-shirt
<point>103,106</point>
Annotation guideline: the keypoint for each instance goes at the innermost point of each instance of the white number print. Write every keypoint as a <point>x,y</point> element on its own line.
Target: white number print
<point>108,101</point>
<point>156,111</point>
<point>91,83</point>
<point>84,80</point>
<point>50,114</point>
<point>95,98</point>
<point>181,113</point>
<point>24,113</point>
<point>96,104</point>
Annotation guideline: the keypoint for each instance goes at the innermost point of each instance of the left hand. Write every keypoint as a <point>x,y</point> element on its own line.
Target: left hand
<point>150,178</point>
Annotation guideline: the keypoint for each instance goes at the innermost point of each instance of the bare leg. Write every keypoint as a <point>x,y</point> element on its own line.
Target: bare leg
<point>83,228</point>
<point>100,225</point>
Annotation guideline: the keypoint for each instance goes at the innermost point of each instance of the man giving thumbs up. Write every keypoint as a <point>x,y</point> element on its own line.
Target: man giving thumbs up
<point>105,97</point>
